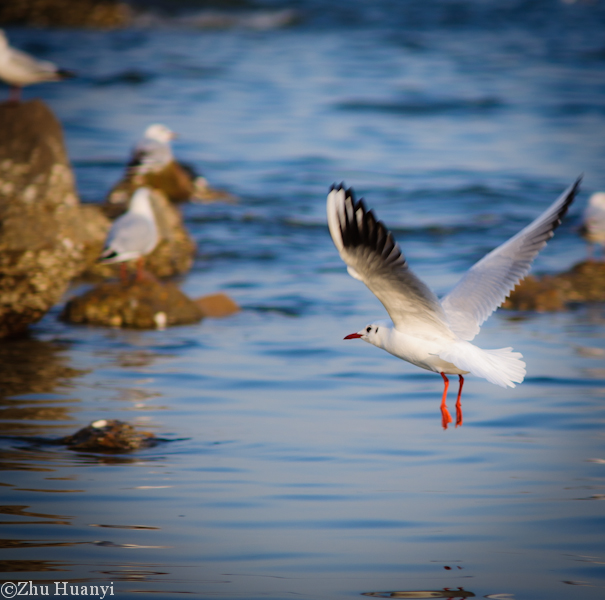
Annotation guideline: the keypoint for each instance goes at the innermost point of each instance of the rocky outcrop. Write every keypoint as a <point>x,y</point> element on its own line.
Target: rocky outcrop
<point>42,239</point>
<point>217,305</point>
<point>177,182</point>
<point>585,282</point>
<point>102,14</point>
<point>146,304</point>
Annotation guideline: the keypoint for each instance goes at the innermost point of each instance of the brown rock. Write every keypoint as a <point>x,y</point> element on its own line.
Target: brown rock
<point>109,435</point>
<point>217,305</point>
<point>172,180</point>
<point>173,255</point>
<point>103,14</point>
<point>176,182</point>
<point>42,241</point>
<point>205,194</point>
<point>146,304</point>
<point>585,282</point>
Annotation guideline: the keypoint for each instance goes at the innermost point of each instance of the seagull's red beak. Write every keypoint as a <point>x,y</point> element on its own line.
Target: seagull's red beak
<point>352,336</point>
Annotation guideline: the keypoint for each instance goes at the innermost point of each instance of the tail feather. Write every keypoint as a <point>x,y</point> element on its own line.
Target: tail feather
<point>501,366</point>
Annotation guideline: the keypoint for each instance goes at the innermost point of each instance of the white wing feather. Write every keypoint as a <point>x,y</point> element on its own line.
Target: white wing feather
<point>372,256</point>
<point>486,285</point>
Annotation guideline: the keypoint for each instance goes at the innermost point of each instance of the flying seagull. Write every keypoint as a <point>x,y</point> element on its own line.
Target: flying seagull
<point>430,333</point>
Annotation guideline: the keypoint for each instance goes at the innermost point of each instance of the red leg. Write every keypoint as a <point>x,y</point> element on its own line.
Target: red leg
<point>446,418</point>
<point>458,403</point>
<point>15,94</point>
<point>123,273</point>
<point>140,275</point>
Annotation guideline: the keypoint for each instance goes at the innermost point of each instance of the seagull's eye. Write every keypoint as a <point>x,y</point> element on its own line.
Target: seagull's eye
<point>368,329</point>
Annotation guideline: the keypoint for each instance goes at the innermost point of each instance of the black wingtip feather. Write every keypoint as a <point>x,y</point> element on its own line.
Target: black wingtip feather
<point>107,255</point>
<point>368,231</point>
<point>568,200</point>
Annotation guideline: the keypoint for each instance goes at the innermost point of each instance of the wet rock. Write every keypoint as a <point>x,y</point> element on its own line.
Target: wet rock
<point>173,255</point>
<point>585,282</point>
<point>204,193</point>
<point>217,305</point>
<point>146,304</point>
<point>42,242</point>
<point>176,181</point>
<point>103,14</point>
<point>109,435</point>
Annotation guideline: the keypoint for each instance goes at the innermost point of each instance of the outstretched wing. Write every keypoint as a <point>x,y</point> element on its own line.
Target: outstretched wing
<point>373,256</point>
<point>486,284</point>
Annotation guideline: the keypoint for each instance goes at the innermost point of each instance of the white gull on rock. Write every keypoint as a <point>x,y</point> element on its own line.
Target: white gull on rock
<point>153,152</point>
<point>19,69</point>
<point>593,222</point>
<point>134,234</point>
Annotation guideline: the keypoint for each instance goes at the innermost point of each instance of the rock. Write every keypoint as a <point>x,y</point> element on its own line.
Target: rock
<point>173,255</point>
<point>174,181</point>
<point>217,305</point>
<point>146,304</point>
<point>178,182</point>
<point>42,238</point>
<point>103,14</point>
<point>585,282</point>
<point>205,194</point>
<point>109,436</point>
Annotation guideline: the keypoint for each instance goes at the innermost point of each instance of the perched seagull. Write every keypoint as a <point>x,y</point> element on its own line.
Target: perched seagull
<point>432,334</point>
<point>153,164</point>
<point>593,222</point>
<point>153,152</point>
<point>134,234</point>
<point>19,69</point>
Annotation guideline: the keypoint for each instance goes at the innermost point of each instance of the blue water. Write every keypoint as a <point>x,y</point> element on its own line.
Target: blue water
<point>301,465</point>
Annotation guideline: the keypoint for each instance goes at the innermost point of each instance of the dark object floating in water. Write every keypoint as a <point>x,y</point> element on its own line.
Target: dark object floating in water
<point>129,77</point>
<point>109,435</point>
<point>444,593</point>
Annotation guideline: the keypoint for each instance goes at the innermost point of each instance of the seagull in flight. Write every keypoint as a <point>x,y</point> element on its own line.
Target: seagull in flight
<point>19,69</point>
<point>430,333</point>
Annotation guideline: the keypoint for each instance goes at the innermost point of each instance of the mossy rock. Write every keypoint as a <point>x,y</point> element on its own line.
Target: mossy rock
<point>42,241</point>
<point>109,435</point>
<point>145,304</point>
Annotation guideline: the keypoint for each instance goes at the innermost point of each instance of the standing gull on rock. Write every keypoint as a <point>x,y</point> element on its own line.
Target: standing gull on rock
<point>134,234</point>
<point>153,164</point>
<point>153,152</point>
<point>432,334</point>
<point>19,69</point>
<point>593,224</point>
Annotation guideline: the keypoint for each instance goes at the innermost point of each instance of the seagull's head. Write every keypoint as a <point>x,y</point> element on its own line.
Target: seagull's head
<point>373,333</point>
<point>159,133</point>
<point>597,200</point>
